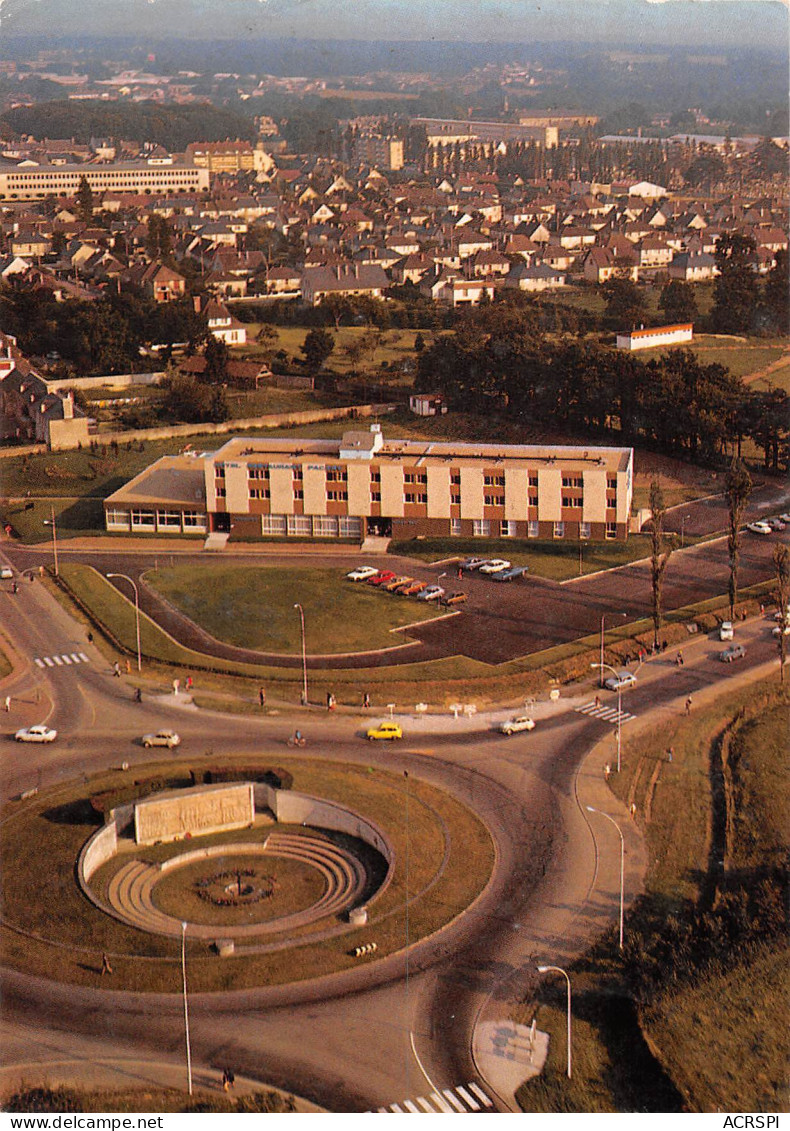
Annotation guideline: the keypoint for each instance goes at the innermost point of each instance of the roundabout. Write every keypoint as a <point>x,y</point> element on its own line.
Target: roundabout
<point>285,888</point>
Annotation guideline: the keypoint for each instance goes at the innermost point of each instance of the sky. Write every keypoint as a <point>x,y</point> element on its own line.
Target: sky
<point>697,22</point>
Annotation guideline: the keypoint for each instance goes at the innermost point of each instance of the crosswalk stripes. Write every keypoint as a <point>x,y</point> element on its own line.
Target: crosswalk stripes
<point>606,714</point>
<point>453,1101</point>
<point>64,659</point>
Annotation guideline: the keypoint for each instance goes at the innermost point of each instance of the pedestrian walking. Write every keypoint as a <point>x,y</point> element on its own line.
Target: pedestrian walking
<point>14,587</point>
<point>7,703</point>
<point>90,637</point>
<point>176,686</point>
<point>607,772</point>
<point>105,965</point>
<point>597,700</point>
<point>116,670</point>
<point>632,810</point>
<point>138,695</point>
<point>262,696</point>
<point>332,702</point>
<point>128,667</point>
<point>189,683</point>
<point>228,1079</point>
<point>688,705</point>
<point>366,700</point>
<point>460,574</point>
<point>670,753</point>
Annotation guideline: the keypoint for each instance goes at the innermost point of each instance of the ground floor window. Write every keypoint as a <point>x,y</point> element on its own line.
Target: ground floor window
<point>300,526</point>
<point>143,520</point>
<point>533,530</point>
<point>507,529</point>
<point>559,529</point>
<point>117,519</point>
<point>194,520</point>
<point>273,524</point>
<point>350,527</point>
<point>168,519</point>
<point>611,530</point>
<point>324,526</point>
<point>455,527</point>
<point>585,530</point>
<point>481,528</point>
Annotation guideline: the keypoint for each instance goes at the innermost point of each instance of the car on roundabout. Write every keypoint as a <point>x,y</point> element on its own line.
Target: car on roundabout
<point>495,565</point>
<point>618,682</point>
<point>362,573</point>
<point>726,631</point>
<point>167,738</point>
<point>759,527</point>
<point>516,724</point>
<point>785,517</point>
<point>38,733</point>
<point>734,652</point>
<point>386,731</point>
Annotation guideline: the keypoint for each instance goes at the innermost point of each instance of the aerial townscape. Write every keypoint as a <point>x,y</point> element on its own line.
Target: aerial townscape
<point>394,557</point>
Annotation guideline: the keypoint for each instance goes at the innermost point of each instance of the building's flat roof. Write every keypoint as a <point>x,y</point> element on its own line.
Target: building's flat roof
<point>298,450</point>
<point>172,480</point>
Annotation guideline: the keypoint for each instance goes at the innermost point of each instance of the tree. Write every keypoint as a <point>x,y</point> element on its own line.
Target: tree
<point>84,200</point>
<point>317,347</point>
<point>735,292</point>
<point>781,560</point>
<point>660,553</point>
<point>625,302</point>
<point>678,302</point>
<point>737,489</point>
<point>775,294</point>
<point>216,355</point>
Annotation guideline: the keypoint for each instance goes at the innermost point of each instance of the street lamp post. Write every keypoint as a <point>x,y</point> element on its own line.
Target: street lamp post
<point>619,703</point>
<point>559,970</point>
<point>683,528</point>
<point>136,614</point>
<point>304,655</point>
<point>51,522</point>
<point>600,813</point>
<point>603,617</point>
<point>186,1007</point>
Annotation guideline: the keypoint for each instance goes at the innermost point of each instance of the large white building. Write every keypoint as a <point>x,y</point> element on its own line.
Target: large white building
<point>364,484</point>
<point>34,182</point>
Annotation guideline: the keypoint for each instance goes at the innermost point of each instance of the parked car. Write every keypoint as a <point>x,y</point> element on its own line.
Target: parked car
<point>781,630</point>
<point>725,630</point>
<point>385,732</point>
<point>457,598</point>
<point>509,574</point>
<point>413,589</point>
<point>38,733</point>
<point>520,722</point>
<point>776,523</point>
<point>396,583</point>
<point>362,573</point>
<point>431,593</point>
<point>494,565</point>
<point>167,738</point>
<point>785,518</point>
<point>471,563</point>
<point>622,679</point>
<point>382,576</point>
<point>759,527</point>
<point>6,574</point>
<point>734,652</point>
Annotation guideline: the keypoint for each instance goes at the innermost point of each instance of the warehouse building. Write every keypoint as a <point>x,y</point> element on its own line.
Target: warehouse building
<point>364,484</point>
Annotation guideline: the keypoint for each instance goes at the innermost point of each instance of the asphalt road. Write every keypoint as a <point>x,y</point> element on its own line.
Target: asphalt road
<point>397,1027</point>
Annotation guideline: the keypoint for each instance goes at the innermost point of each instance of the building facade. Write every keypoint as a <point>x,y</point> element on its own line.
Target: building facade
<point>364,484</point>
<point>656,336</point>
<point>35,182</point>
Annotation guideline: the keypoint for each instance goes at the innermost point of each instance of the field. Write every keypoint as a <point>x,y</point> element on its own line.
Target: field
<point>254,607</point>
<point>392,347</point>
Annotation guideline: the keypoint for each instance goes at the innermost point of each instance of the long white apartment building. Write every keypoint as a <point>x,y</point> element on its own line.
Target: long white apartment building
<point>366,484</point>
<point>33,182</point>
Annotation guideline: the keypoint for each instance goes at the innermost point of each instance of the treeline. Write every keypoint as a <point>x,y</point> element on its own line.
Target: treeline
<point>94,338</point>
<point>499,358</point>
<point>172,126</point>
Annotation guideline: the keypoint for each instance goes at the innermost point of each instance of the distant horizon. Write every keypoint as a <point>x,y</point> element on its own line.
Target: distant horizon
<point>644,23</point>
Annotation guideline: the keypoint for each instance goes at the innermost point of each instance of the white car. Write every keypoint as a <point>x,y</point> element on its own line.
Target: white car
<point>38,733</point>
<point>167,738</point>
<point>759,527</point>
<point>6,574</point>
<point>622,679</point>
<point>520,722</point>
<point>362,573</point>
<point>785,518</point>
<point>431,593</point>
<point>494,565</point>
<point>726,630</point>
<point>781,630</point>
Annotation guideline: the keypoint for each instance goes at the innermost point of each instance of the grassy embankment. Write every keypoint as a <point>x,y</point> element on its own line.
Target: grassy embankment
<point>231,685</point>
<point>163,1100</point>
<point>704,975</point>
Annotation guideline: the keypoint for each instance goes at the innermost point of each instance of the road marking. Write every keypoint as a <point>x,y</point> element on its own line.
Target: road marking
<point>58,661</point>
<point>606,714</point>
<point>83,657</point>
<point>450,1101</point>
<point>48,662</point>
<point>66,659</point>
<point>76,658</point>
<point>39,662</point>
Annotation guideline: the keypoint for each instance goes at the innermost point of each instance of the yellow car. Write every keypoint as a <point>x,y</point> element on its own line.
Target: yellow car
<point>387,730</point>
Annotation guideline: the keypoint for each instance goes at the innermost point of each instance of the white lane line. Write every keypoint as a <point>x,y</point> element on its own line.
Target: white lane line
<point>39,662</point>
<point>83,657</point>
<point>440,1103</point>
<point>411,1107</point>
<point>486,1102</point>
<point>421,1100</point>
<point>469,1100</point>
<point>58,661</point>
<point>48,662</point>
<point>451,1099</point>
<point>66,659</point>
<point>75,657</point>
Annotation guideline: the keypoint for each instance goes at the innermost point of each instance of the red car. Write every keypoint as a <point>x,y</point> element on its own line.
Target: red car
<point>382,576</point>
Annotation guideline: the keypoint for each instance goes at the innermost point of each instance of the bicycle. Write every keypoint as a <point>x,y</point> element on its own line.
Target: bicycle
<point>297,740</point>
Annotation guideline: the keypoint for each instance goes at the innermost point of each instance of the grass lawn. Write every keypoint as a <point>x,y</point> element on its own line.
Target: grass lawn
<point>554,560</point>
<point>147,1099</point>
<point>394,346</point>
<point>741,358</point>
<point>40,839</point>
<point>778,378</point>
<point>253,607</point>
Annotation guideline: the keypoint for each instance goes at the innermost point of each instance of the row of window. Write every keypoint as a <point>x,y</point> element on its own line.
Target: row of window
<point>311,526</point>
<point>141,519</point>
<point>482,528</point>
<point>340,475</point>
